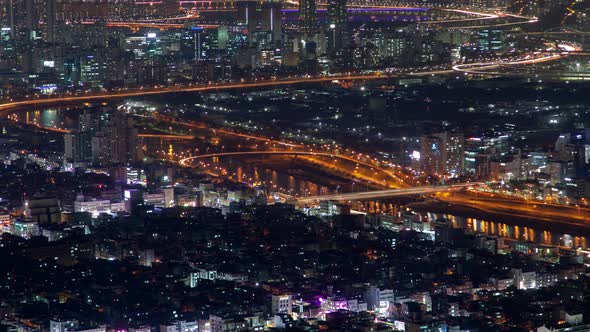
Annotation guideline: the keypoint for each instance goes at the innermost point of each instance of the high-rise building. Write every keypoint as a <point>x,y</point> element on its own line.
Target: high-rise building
<point>50,20</point>
<point>78,143</point>
<point>8,17</point>
<point>262,22</point>
<point>271,20</point>
<point>78,146</point>
<point>442,153</point>
<point>19,18</point>
<point>337,24</point>
<point>107,138</point>
<point>31,19</point>
<point>116,141</point>
<point>308,17</point>
<point>247,17</point>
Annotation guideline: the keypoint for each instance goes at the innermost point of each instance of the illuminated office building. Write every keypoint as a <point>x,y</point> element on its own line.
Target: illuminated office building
<point>308,17</point>
<point>337,24</point>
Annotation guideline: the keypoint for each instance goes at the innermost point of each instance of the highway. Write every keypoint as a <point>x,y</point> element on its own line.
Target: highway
<point>177,22</point>
<point>201,88</point>
<point>468,68</point>
<point>481,17</point>
<point>69,99</point>
<point>167,136</point>
<point>397,181</point>
<point>484,68</point>
<point>514,207</point>
<point>559,32</point>
<point>221,131</point>
<point>365,195</point>
<point>164,136</point>
<point>496,25</point>
<point>156,25</point>
<point>187,161</point>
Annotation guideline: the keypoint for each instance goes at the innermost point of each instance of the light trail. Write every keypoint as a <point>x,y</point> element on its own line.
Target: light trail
<point>515,207</point>
<point>66,131</point>
<point>160,26</point>
<point>188,16</point>
<point>165,136</point>
<point>383,193</point>
<point>20,105</point>
<point>482,67</point>
<point>186,162</point>
<point>554,33</point>
<point>230,133</point>
<point>369,9</point>
<point>482,16</point>
<point>63,100</point>
<point>201,88</point>
<point>496,25</point>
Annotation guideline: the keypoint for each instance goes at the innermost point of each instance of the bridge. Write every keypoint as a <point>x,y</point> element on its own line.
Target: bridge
<point>69,99</point>
<point>479,20</point>
<point>560,34</point>
<point>560,31</point>
<point>224,4</point>
<point>366,195</point>
<point>135,26</point>
<point>162,136</point>
<point>167,136</point>
<point>492,69</point>
<point>399,182</point>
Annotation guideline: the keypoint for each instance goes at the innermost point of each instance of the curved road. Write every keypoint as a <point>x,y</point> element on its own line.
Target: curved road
<point>186,161</point>
<point>484,68</point>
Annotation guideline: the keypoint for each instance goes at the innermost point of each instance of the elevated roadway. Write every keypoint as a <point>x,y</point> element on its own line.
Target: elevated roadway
<point>367,195</point>
<point>155,25</point>
<point>480,20</point>
<point>167,136</point>
<point>163,136</point>
<point>487,68</point>
<point>188,162</point>
<point>511,207</point>
<point>89,97</point>
<point>567,31</point>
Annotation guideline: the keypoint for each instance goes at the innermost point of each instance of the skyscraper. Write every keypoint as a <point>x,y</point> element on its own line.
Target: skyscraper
<point>337,24</point>
<point>31,20</point>
<point>19,17</point>
<point>8,16</point>
<point>272,20</point>
<point>247,17</point>
<point>263,22</point>
<point>50,20</point>
<point>308,16</point>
